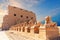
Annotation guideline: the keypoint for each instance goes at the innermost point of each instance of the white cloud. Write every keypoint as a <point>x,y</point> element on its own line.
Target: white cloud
<point>31,3</point>
<point>2,13</point>
<point>15,3</point>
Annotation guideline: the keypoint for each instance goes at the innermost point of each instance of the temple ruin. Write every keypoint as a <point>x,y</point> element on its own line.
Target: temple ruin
<point>25,21</point>
<point>45,31</point>
<point>16,16</point>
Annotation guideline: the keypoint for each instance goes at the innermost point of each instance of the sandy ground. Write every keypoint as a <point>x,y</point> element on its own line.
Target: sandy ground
<point>14,35</point>
<point>22,36</point>
<point>3,36</point>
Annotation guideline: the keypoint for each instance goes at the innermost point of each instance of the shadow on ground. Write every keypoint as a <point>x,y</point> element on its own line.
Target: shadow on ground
<point>56,38</point>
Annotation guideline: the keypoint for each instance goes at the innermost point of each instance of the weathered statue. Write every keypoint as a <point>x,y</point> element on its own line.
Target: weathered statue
<point>36,29</point>
<point>48,19</point>
<point>31,23</point>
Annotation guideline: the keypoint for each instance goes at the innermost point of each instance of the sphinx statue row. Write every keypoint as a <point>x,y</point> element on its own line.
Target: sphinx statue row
<point>27,26</point>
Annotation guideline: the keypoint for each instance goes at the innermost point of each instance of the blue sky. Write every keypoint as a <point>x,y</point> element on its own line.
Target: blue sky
<point>41,8</point>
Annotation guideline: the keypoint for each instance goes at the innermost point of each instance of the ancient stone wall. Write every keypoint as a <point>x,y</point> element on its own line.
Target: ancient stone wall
<point>16,16</point>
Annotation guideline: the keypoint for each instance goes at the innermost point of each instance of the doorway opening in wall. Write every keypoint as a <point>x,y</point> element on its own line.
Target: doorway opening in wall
<point>14,14</point>
<point>21,16</point>
<point>27,17</point>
